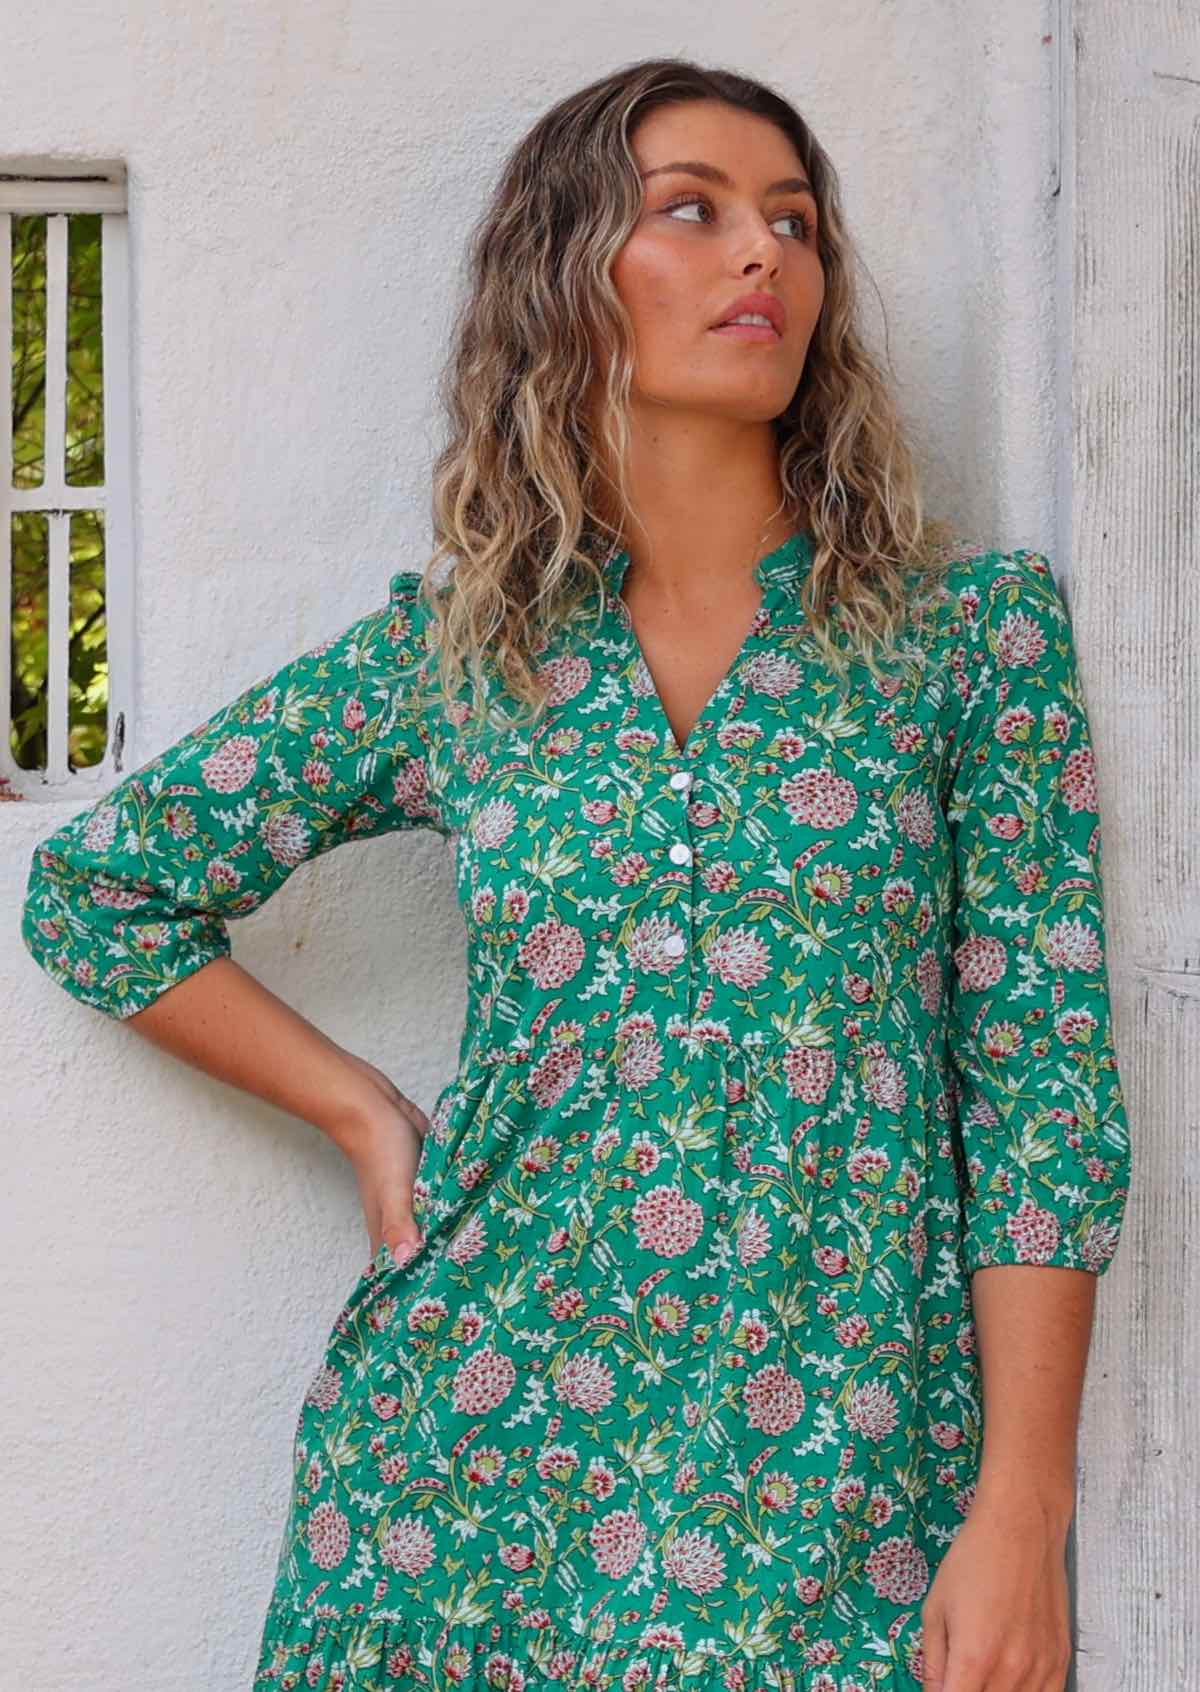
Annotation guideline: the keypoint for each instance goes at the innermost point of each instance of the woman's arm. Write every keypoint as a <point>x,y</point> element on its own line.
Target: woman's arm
<point>1039,1124</point>
<point>128,903</point>
<point>1033,1327</point>
<point>1040,1119</point>
<point>130,897</point>
<point>222,1020</point>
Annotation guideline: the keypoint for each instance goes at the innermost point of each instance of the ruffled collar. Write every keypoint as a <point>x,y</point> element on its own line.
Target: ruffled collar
<point>785,567</point>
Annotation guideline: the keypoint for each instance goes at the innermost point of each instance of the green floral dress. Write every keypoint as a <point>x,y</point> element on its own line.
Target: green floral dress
<point>772,1040</point>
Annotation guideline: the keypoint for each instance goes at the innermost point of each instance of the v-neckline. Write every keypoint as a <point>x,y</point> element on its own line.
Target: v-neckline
<point>780,566</point>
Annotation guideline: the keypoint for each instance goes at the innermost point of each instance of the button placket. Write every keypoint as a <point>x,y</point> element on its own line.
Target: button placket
<point>680,852</point>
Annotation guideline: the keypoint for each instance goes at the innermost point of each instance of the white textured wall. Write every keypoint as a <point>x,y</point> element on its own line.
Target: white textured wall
<point>301,182</point>
<point>1135,403</point>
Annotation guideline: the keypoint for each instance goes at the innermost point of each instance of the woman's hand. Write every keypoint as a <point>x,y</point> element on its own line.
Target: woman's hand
<point>996,1615</point>
<point>384,1153</point>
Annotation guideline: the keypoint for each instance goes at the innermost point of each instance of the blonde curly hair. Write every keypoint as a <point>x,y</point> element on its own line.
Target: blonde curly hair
<point>521,500</point>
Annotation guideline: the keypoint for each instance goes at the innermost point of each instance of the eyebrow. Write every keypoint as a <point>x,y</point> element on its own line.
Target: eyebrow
<point>711,173</point>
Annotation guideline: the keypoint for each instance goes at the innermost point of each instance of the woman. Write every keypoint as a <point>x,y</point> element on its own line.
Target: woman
<point>728,1313</point>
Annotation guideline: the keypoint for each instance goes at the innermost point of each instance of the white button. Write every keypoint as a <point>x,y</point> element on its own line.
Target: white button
<point>681,778</point>
<point>674,945</point>
<point>680,853</point>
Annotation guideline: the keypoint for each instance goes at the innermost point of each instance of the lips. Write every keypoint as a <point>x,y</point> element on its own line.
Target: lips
<point>764,305</point>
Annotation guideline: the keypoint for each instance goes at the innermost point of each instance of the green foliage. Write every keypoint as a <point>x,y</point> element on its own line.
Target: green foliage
<point>84,467</point>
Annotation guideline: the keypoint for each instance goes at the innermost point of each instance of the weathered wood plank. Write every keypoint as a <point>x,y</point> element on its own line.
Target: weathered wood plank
<point>1131,215</point>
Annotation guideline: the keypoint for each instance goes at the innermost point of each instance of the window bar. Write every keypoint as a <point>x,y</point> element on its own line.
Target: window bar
<point>54,500</point>
<point>10,777</point>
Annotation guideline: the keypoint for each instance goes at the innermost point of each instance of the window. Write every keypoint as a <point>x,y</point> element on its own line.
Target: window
<point>65,505</point>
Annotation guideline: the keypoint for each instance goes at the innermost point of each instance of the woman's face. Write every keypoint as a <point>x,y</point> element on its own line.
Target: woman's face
<point>699,244</point>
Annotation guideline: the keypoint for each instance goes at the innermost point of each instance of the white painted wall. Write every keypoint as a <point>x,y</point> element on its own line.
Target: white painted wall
<point>301,182</point>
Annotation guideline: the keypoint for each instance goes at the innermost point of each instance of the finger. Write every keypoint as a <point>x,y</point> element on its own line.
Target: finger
<point>933,1651</point>
<point>401,1232</point>
<point>966,1671</point>
<point>415,1115</point>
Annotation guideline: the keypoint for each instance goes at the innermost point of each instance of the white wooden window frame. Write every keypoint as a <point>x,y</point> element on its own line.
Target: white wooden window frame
<point>55,188</point>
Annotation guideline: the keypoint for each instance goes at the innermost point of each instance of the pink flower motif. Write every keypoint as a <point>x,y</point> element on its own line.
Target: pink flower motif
<point>554,1074</point>
<point>914,814</point>
<point>552,953</point>
<point>409,1546</point>
<point>648,950</point>
<point>1014,725</point>
<point>616,1541</point>
<point>740,957</point>
<point>848,1493</point>
<point>880,1507</point>
<point>326,1388</point>
<point>929,981</point>
<point>868,1164</point>
<point>598,811</point>
<point>232,765</point>
<point>328,1534</point>
<point>981,961</point>
<point>855,1330</point>
<point>105,894</point>
<point>718,875</point>
<point>1035,1232</point>
<point>567,676</point>
<point>640,1053</point>
<point>1076,1027</point>
<point>668,1314</point>
<point>100,829</point>
<point>483,1382</point>
<point>1072,943</point>
<point>696,1561</point>
<point>873,1410</point>
<point>1005,825</point>
<point>754,1238</point>
<point>469,1241</point>
<point>493,823</point>
<point>898,1570</point>
<point>1020,642</point>
<point>898,894</point>
<point>774,1399</point>
<point>885,1081</point>
<point>667,1222</point>
<point>411,792</point>
<point>809,1072</point>
<point>773,674</point>
<point>222,877</point>
<point>819,798</point>
<point>1099,1244</point>
<point>287,837</point>
<point>586,1382</point>
<point>1003,1039</point>
<point>179,821</point>
<point>558,1464</point>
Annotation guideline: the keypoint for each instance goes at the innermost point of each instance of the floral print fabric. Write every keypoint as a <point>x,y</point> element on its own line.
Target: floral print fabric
<point>772,1041</point>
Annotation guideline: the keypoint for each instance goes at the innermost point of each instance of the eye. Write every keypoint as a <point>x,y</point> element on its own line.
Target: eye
<point>803,218</point>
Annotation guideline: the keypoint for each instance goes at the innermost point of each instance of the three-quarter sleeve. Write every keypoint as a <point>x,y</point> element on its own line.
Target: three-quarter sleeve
<point>1042,1128</point>
<point>128,897</point>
